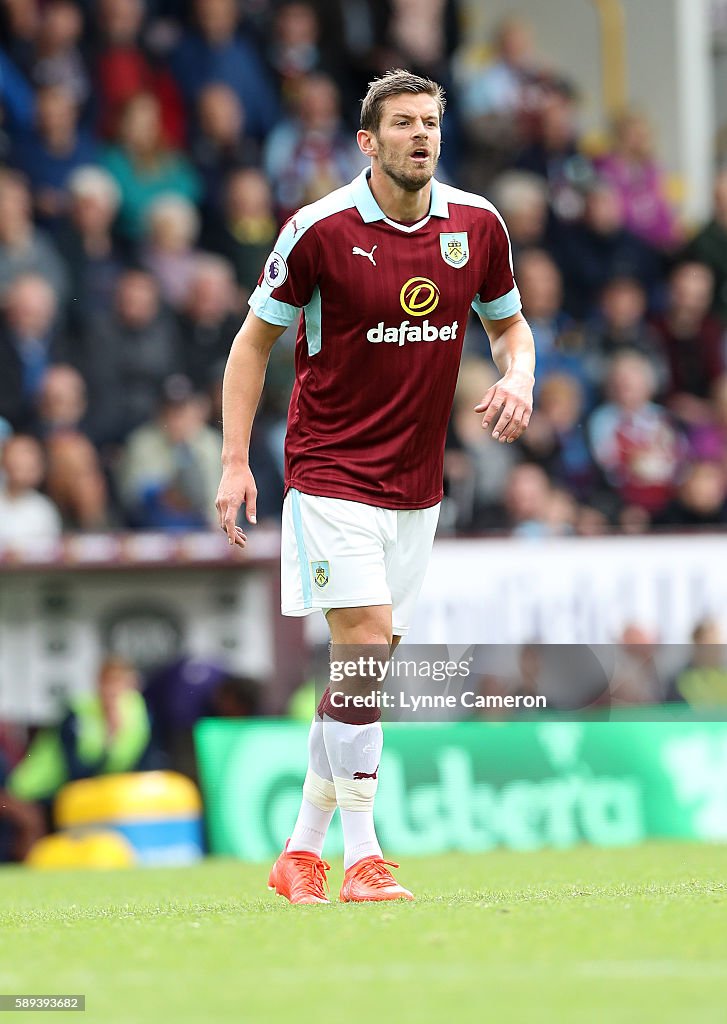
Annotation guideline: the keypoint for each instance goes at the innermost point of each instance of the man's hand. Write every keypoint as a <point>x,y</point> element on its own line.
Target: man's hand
<point>513,393</point>
<point>237,488</point>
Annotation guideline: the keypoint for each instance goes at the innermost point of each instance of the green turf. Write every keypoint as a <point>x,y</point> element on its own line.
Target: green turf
<point>586,935</point>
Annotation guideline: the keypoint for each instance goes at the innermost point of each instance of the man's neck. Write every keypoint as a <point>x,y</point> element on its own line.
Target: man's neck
<point>397,203</point>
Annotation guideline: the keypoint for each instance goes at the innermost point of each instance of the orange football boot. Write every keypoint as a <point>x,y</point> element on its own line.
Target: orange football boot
<point>370,879</point>
<point>300,877</point>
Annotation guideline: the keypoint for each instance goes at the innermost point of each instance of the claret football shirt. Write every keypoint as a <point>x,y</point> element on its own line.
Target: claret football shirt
<point>383,309</point>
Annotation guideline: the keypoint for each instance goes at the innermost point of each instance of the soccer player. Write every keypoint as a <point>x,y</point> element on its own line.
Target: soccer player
<point>384,271</point>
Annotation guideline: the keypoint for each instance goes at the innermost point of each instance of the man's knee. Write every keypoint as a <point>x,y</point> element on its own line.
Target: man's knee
<point>368,626</point>
<point>360,650</point>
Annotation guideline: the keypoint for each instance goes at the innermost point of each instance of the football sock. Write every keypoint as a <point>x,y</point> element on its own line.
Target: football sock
<point>319,796</point>
<point>354,753</point>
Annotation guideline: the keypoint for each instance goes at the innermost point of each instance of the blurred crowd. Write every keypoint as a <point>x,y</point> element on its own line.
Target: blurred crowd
<point>636,671</point>
<point>151,149</point>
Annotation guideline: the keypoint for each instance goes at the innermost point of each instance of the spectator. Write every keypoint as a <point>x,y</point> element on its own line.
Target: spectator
<point>215,52</point>
<point>21,824</point>
<point>527,496</point>
<point>49,155</point>
<point>144,167</point>
<point>93,256</point>
<point>236,697</point>
<point>23,248</point>
<point>294,50</point>
<point>29,344</point>
<point>640,182</point>
<point>27,517</point>
<point>700,500</point>
<point>702,683</point>
<point>522,199</point>
<point>245,231</point>
<point>75,482</point>
<point>557,338</point>
<point>188,689</point>
<point>710,246</point>
<point>62,403</point>
<point>16,96</point>
<point>541,290</point>
<point>127,356</point>
<point>310,154</point>
<point>56,59</point>
<point>591,521</point>
<point>21,21</point>
<point>555,154</point>
<point>561,513</point>
<point>101,733</point>
<point>598,249</point>
<point>424,36</point>
<point>476,467</point>
<point>633,440</point>
<point>351,43</point>
<point>125,67</point>
<point>556,439</point>
<point>220,145</point>
<point>207,322</point>
<point>692,338</point>
<point>168,250</point>
<point>621,326</point>
<point>636,678</point>
<point>500,102</point>
<point>500,87</point>
<point>178,694</point>
<point>169,470</point>
<point>708,439</point>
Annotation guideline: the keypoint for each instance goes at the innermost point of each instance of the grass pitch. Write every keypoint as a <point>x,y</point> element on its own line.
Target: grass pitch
<point>585,935</point>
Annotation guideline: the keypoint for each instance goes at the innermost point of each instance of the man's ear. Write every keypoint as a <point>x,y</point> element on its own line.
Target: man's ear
<point>367,142</point>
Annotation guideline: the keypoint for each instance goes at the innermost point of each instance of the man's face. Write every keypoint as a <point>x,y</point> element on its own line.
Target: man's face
<point>114,683</point>
<point>407,141</point>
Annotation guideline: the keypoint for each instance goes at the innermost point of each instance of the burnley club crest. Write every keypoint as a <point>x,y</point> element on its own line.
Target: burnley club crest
<point>454,248</point>
<point>321,573</point>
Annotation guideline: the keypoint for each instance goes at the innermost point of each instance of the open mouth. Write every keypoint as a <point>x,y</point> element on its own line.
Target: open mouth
<point>420,155</point>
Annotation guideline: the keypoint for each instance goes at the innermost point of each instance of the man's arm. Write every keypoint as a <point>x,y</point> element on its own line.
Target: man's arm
<point>513,352</point>
<point>241,390</point>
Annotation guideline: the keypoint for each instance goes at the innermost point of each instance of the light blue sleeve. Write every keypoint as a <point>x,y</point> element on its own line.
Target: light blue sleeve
<point>498,309</point>
<point>273,311</point>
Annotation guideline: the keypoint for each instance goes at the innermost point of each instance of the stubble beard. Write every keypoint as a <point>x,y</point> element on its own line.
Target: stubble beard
<point>409,182</point>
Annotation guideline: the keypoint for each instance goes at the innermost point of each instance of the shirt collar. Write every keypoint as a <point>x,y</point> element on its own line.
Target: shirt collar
<point>370,210</point>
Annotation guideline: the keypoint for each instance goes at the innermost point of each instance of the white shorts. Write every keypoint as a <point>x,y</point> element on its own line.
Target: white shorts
<point>337,553</point>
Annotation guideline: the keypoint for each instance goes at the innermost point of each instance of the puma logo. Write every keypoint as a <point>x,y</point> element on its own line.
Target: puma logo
<point>362,252</point>
<point>366,775</point>
<point>296,229</point>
